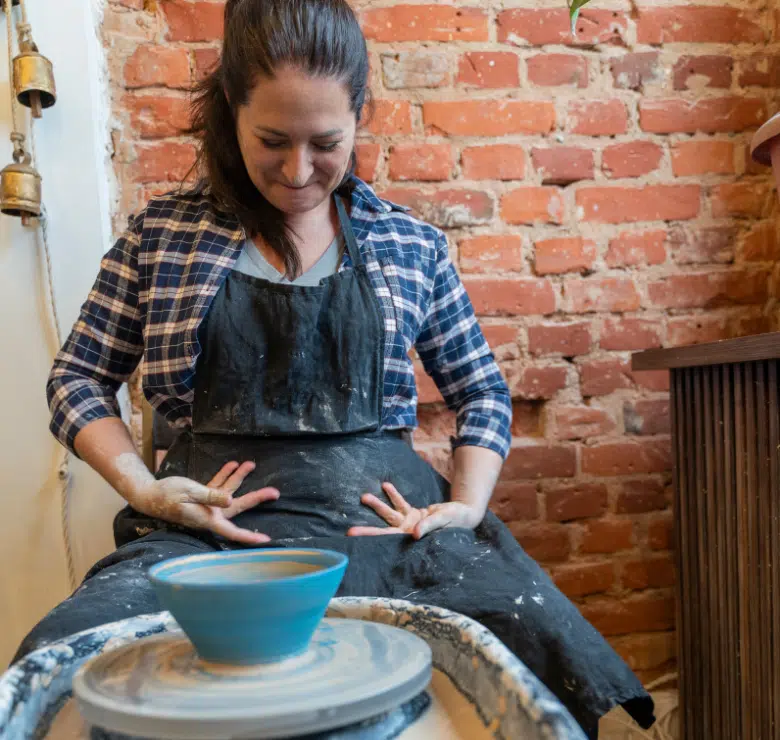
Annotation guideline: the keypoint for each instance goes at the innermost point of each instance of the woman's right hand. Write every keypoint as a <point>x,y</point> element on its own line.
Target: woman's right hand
<point>185,502</point>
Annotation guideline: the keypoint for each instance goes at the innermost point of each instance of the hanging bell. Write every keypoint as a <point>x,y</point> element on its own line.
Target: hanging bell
<point>33,75</point>
<point>20,185</point>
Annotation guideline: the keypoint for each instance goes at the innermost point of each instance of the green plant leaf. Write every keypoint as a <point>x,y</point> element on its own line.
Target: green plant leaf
<point>574,12</point>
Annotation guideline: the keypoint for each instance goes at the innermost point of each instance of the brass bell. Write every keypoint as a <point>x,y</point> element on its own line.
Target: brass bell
<point>20,185</point>
<point>33,75</point>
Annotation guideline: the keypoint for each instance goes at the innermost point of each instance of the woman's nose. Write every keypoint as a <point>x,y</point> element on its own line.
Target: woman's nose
<point>297,167</point>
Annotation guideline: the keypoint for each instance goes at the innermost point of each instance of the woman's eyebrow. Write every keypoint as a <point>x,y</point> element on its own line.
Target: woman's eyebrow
<point>324,135</point>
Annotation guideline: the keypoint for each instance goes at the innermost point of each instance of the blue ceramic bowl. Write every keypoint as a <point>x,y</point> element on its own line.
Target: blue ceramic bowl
<point>250,606</point>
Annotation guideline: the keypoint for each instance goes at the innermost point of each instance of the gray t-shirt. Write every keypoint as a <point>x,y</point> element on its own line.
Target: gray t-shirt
<point>252,262</point>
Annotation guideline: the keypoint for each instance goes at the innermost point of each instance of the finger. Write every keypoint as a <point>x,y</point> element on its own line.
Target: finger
<point>237,478</point>
<point>249,501</point>
<point>226,471</point>
<point>372,531</point>
<point>391,516</point>
<point>396,498</point>
<point>436,520</point>
<point>237,534</point>
<point>195,493</point>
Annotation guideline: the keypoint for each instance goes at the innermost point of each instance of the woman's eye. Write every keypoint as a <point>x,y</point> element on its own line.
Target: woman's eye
<point>272,144</point>
<point>328,147</point>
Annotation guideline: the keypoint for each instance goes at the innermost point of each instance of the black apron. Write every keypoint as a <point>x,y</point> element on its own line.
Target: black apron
<point>291,378</point>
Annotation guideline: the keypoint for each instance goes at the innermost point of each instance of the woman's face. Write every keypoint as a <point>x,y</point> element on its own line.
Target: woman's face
<point>296,135</point>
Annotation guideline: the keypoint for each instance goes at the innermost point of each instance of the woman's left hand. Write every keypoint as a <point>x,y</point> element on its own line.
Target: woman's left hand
<point>405,519</point>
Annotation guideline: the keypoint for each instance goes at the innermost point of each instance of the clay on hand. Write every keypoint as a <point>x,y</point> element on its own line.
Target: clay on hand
<point>406,519</point>
<point>188,503</point>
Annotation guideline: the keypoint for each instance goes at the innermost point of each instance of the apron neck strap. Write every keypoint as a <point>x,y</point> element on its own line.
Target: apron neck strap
<point>349,235</point>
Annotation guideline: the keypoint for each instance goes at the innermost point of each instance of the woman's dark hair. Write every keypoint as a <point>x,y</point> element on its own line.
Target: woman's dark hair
<point>321,38</point>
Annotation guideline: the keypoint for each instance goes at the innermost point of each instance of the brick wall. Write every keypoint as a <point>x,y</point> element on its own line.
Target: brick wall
<point>598,200</point>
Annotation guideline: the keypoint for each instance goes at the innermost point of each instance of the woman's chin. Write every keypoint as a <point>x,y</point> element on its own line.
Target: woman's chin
<point>293,202</point>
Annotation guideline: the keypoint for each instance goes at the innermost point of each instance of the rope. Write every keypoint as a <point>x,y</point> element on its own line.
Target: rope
<point>42,238</point>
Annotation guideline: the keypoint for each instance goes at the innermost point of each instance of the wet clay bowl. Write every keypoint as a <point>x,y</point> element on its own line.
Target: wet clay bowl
<point>252,606</point>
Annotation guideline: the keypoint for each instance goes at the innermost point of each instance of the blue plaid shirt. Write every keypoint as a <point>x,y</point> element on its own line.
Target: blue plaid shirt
<point>157,282</point>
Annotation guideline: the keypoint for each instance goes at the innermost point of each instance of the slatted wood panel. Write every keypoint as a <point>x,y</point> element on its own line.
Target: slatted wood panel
<point>726,429</point>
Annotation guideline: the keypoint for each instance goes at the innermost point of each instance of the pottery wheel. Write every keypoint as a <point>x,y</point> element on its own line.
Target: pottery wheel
<point>158,687</point>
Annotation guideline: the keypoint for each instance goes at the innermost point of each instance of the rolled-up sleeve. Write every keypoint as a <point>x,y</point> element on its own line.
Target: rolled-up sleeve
<point>456,355</point>
<point>103,348</point>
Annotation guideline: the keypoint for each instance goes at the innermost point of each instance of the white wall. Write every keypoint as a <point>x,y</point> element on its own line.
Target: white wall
<point>71,157</point>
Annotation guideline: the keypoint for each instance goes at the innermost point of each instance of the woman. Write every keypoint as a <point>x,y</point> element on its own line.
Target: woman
<point>275,306</point>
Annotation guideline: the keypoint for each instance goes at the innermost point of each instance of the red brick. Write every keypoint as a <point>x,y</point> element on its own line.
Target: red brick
<point>532,383</point>
<point>602,377</point>
<point>489,117</point>
<point>710,115</point>
<point>568,340</point>
<point>760,244</point>
<point>640,497</point>
<point>447,208</point>
<point>747,199</point>
<point>691,158</point>
<point>582,422</point>
<point>652,572</point>
<point>631,159</point>
<point>660,533</point>
<point>390,117</point>
<point>513,502</point>
<point>584,579</point>
<point>651,380</point>
<point>427,391</point>
<point>204,61</point>
<point>529,205</point>
<point>703,244</point>
<point>493,162</point>
<point>438,457</point>
<point>597,117</point>
<point>582,501</point>
<point>649,651</point>
<point>168,161</point>
<point>156,116</point>
<point>760,70</point>
<point>543,26</point>
<point>627,458</point>
<point>411,69</point>
<point>526,419</point>
<point>540,461</point>
<point>489,69</point>
<point>543,542</point>
<point>424,162</point>
<point>643,613</point>
<point>698,24</point>
<point>424,23</point>
<point>696,330</point>
<point>435,422</point>
<point>566,254</point>
<point>647,416</point>
<point>556,70</point>
<point>709,290</point>
<point>606,536</point>
<point>193,21</point>
<point>634,71</point>
<point>518,297</point>
<point>157,66</point>
<point>601,294</point>
<point>630,335</point>
<point>562,165</point>
<point>631,249</point>
<point>706,70</point>
<point>368,155</point>
<point>485,253</point>
<point>500,335</point>
<point>617,205</point>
